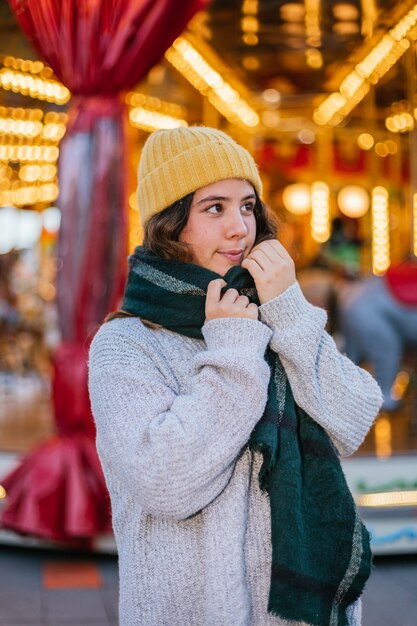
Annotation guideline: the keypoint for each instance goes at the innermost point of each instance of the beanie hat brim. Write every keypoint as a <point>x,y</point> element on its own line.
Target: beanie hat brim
<point>165,178</point>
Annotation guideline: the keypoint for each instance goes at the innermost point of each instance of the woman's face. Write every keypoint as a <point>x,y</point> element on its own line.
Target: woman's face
<point>221,227</point>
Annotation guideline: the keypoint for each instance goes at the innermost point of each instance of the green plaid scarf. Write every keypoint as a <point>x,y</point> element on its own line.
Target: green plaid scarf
<point>321,556</point>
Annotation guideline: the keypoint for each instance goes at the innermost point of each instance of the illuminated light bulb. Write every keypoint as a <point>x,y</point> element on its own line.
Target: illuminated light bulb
<point>383,449</point>
<point>292,12</point>
<point>353,201</point>
<point>250,7</point>
<point>314,58</point>
<point>381,149</point>
<point>391,146</point>
<point>250,62</point>
<point>365,141</point>
<point>297,198</point>
<point>345,12</point>
<point>320,211</point>
<point>48,172</point>
<point>271,95</point>
<point>391,125</point>
<point>249,24</point>
<point>380,231</point>
<point>306,136</point>
<point>53,131</point>
<point>250,39</point>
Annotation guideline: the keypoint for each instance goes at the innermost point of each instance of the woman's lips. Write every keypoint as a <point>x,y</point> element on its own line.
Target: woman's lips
<point>232,255</point>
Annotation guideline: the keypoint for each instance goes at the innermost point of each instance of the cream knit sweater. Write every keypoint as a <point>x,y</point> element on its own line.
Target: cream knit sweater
<point>173,416</point>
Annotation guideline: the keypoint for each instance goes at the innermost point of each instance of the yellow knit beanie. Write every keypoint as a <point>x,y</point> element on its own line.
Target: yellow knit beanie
<point>178,161</point>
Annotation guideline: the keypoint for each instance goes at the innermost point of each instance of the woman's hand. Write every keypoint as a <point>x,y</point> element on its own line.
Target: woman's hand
<point>271,268</point>
<point>230,305</point>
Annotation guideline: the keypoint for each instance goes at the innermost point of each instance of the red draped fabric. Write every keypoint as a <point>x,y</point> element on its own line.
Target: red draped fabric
<point>98,49</point>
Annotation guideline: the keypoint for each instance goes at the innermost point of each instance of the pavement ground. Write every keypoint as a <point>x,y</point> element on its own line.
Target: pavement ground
<point>41,587</point>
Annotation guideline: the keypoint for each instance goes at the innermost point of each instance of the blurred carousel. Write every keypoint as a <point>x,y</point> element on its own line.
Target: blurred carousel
<point>323,94</point>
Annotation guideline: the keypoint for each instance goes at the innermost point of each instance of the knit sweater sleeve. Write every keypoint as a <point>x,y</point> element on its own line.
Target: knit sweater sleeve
<point>176,451</point>
<point>337,394</point>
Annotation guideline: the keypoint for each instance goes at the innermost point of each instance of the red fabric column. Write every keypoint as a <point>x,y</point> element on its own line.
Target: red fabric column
<point>98,49</point>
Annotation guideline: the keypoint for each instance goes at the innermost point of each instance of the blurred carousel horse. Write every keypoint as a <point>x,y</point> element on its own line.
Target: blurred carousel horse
<point>378,318</point>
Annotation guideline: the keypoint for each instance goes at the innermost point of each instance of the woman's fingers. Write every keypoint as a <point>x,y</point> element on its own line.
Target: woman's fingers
<point>230,305</point>
<point>230,296</point>
<point>261,257</point>
<point>214,294</point>
<point>271,267</point>
<point>254,269</point>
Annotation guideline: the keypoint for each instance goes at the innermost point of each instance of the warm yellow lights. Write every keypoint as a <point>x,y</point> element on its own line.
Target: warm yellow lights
<point>400,122</point>
<point>249,23</point>
<point>250,7</point>
<point>272,96</point>
<point>415,224</point>
<point>32,173</point>
<point>292,12</point>
<point>203,76</point>
<point>320,212</point>
<point>29,153</point>
<point>29,128</point>
<point>400,385</point>
<point>314,58</point>
<point>149,113</point>
<point>383,437</point>
<point>250,62</point>
<point>28,85</point>
<point>152,120</point>
<point>29,195</point>
<point>353,201</point>
<point>381,149</point>
<point>365,141</point>
<point>345,12</point>
<point>31,124</point>
<point>368,72</point>
<point>297,198</point>
<point>312,22</point>
<point>137,99</point>
<point>28,141</point>
<point>380,231</point>
<point>346,28</point>
<point>388,499</point>
<point>25,65</point>
<point>391,146</point>
<point>22,128</point>
<point>250,39</point>
<point>2,492</point>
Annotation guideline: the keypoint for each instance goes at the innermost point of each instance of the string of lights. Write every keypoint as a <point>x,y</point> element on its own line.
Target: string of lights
<point>368,72</point>
<point>380,231</point>
<point>227,99</point>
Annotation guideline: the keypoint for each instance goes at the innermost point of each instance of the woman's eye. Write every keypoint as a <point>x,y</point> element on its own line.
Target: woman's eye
<point>248,208</point>
<point>216,208</point>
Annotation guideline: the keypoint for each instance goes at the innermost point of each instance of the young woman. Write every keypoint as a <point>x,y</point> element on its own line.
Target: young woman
<point>222,407</point>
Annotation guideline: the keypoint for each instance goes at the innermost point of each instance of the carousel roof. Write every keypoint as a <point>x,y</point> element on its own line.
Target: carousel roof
<point>302,50</point>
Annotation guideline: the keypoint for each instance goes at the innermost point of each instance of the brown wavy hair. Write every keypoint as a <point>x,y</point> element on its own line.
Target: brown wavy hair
<point>162,234</point>
<point>163,230</point>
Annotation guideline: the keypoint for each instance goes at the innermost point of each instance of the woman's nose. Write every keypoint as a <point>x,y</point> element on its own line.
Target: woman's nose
<point>236,225</point>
